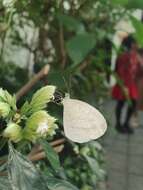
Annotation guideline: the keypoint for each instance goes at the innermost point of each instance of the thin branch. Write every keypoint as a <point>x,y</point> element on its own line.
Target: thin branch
<point>62,47</point>
<point>85,64</point>
<point>57,142</point>
<point>42,155</point>
<point>37,148</point>
<point>2,174</point>
<point>38,157</point>
<point>32,82</point>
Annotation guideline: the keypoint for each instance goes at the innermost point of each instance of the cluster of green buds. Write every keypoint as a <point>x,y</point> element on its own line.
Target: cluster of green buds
<point>6,103</point>
<point>37,122</point>
<point>13,132</point>
<point>40,124</point>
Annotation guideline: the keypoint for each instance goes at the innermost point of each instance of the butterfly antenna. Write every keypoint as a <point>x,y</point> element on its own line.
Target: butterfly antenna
<point>70,84</point>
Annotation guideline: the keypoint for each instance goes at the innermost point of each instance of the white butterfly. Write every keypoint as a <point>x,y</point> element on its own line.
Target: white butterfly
<point>82,122</point>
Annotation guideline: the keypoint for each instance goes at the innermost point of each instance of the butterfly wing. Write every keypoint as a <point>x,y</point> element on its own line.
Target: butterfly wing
<point>82,122</point>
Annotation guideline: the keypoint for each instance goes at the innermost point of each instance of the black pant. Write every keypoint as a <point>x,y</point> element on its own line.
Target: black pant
<point>130,110</point>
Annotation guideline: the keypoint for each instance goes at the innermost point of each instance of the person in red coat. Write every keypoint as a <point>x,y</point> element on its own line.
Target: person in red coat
<point>126,87</point>
<point>140,80</point>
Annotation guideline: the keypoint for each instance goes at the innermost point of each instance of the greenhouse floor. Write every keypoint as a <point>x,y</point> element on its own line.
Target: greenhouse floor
<point>124,156</point>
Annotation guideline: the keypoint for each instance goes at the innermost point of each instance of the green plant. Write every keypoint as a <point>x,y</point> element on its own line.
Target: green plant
<point>21,129</point>
<point>61,32</point>
<point>85,165</point>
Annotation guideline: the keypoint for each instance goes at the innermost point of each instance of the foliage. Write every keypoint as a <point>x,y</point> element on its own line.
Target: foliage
<point>129,4</point>
<point>31,122</point>
<point>51,155</point>
<point>22,174</point>
<point>139,30</point>
<point>90,174</point>
<point>75,38</point>
<point>79,46</point>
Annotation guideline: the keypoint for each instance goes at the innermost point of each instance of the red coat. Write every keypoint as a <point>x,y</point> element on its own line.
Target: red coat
<point>140,87</point>
<point>126,68</point>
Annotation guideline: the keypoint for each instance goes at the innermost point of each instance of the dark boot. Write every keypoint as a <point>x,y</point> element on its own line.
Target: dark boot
<point>128,128</point>
<point>130,112</point>
<point>119,107</point>
<point>120,128</point>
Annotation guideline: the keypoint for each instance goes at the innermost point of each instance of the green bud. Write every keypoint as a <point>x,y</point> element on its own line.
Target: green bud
<point>41,98</point>
<point>40,124</point>
<point>2,94</point>
<point>13,132</point>
<point>4,109</point>
<point>85,150</point>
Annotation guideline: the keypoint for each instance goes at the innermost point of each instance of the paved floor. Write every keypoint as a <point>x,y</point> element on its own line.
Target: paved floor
<point>124,155</point>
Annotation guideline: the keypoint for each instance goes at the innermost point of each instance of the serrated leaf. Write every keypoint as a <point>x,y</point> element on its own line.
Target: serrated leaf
<point>51,155</point>
<point>5,184</point>
<point>22,173</point>
<point>59,184</point>
<point>41,98</point>
<point>25,108</point>
<point>3,167</point>
<point>6,97</point>
<point>11,100</point>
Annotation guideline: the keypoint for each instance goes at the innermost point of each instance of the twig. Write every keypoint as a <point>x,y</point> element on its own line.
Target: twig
<point>3,174</point>
<point>32,82</point>
<point>37,148</point>
<point>62,47</point>
<point>84,64</point>
<point>42,155</point>
<point>3,161</point>
<point>36,156</point>
<point>57,142</point>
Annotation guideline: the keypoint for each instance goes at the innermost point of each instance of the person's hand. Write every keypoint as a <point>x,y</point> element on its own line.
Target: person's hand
<point>140,60</point>
<point>126,92</point>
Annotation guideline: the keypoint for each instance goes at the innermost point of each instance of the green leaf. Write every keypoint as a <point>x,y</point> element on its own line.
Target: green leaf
<point>5,184</point>
<point>120,2</point>
<point>129,4</point>
<point>6,97</point>
<point>71,23</point>
<point>135,4</point>
<point>55,77</point>
<point>79,47</point>
<point>137,24</point>
<point>93,164</point>
<point>11,100</point>
<point>22,173</point>
<point>3,142</point>
<point>58,184</point>
<point>25,108</point>
<point>3,167</point>
<point>41,98</point>
<point>51,155</point>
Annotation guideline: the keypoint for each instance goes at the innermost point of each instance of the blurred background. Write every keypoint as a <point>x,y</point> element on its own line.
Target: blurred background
<point>80,41</point>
